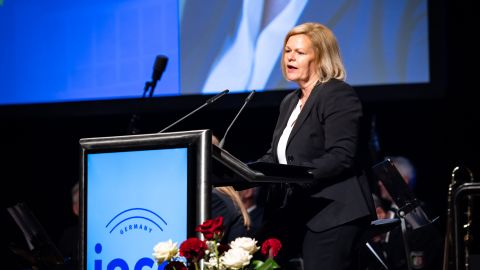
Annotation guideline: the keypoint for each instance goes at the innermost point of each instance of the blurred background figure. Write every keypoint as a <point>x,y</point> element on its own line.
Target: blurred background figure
<point>70,239</point>
<point>249,198</point>
<point>424,243</point>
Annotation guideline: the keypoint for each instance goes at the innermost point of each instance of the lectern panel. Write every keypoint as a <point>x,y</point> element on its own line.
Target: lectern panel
<point>133,200</point>
<point>138,190</point>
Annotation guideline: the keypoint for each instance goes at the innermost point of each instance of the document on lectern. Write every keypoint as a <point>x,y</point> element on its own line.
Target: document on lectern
<point>281,170</point>
<point>228,170</point>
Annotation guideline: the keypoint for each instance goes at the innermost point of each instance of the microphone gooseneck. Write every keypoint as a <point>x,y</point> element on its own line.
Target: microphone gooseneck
<point>247,99</point>
<point>209,101</point>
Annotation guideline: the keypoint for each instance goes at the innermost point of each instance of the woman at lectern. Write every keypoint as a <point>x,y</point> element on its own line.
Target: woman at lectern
<point>318,126</point>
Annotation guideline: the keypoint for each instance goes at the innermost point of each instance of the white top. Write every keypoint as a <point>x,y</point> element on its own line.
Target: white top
<point>282,143</point>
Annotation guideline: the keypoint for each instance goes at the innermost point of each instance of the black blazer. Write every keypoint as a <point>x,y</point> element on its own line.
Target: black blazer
<point>326,137</point>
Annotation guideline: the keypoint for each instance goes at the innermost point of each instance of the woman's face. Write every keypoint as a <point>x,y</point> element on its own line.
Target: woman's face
<point>299,60</point>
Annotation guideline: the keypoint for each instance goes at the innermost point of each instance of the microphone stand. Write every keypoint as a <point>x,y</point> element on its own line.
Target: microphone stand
<point>190,113</point>
<point>158,69</point>
<point>135,117</point>
<point>208,102</point>
<point>249,97</point>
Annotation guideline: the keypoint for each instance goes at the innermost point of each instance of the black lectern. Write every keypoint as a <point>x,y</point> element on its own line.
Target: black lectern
<point>138,190</point>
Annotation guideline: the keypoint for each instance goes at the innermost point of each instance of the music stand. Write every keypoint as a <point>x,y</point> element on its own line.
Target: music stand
<point>43,252</point>
<point>409,208</point>
<point>377,227</point>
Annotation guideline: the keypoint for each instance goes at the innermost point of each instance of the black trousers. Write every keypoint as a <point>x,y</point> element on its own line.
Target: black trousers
<point>333,249</point>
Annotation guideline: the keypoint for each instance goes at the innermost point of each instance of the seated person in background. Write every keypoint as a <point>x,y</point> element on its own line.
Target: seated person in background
<point>226,202</point>
<point>424,243</point>
<point>249,199</point>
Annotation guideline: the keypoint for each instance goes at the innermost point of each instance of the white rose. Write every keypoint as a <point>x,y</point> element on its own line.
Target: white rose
<point>213,264</point>
<point>245,243</point>
<point>164,251</point>
<point>236,258</point>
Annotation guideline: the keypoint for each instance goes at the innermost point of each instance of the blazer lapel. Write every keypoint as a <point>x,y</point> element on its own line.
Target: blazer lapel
<point>284,120</point>
<point>304,113</point>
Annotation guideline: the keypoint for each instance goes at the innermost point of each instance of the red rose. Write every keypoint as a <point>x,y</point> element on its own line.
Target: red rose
<point>193,249</point>
<point>211,228</point>
<point>175,265</point>
<point>271,247</point>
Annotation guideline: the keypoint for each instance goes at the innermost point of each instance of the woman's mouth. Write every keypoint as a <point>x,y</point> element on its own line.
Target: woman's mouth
<point>291,68</point>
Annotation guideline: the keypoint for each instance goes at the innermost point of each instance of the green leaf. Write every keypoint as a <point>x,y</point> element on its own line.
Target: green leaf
<point>256,264</point>
<point>269,264</point>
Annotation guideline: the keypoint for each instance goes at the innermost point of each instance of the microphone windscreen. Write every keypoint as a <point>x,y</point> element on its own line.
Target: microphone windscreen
<point>249,97</point>
<point>217,96</point>
<point>159,67</point>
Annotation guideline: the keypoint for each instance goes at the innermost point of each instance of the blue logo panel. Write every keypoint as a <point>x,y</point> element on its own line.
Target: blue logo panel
<point>134,200</point>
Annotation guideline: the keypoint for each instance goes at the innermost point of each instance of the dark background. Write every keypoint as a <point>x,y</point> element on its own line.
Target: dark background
<point>40,149</point>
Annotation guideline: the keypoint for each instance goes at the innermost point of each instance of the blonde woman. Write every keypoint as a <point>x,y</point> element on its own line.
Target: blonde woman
<point>318,126</point>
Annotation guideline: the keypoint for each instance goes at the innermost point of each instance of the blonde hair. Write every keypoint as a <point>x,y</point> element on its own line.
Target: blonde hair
<point>233,194</point>
<point>325,46</point>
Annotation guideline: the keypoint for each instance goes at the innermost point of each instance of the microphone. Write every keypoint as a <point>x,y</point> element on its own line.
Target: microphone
<point>158,69</point>
<point>209,101</point>
<point>247,99</point>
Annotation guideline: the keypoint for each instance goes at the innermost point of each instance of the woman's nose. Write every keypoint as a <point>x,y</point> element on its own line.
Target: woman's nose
<point>290,57</point>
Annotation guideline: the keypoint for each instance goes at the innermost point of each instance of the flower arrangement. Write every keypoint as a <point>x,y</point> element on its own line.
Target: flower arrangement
<point>237,254</point>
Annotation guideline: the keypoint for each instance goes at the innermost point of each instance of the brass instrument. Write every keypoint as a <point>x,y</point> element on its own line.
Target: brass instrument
<point>448,254</point>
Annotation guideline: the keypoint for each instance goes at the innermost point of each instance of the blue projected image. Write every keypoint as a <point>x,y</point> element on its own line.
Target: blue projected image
<point>60,51</point>
<point>133,200</point>
<point>57,51</point>
<point>382,42</point>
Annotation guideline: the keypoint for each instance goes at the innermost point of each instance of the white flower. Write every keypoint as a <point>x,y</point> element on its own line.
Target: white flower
<point>164,251</point>
<point>210,244</point>
<point>214,264</point>
<point>245,243</point>
<point>236,258</point>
